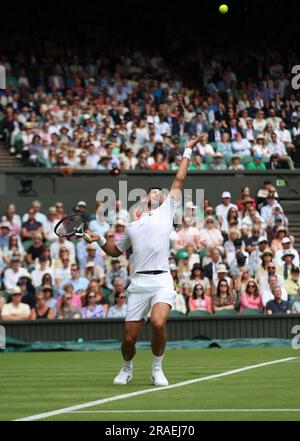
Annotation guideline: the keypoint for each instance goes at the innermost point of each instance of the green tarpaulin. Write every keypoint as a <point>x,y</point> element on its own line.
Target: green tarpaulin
<point>13,345</point>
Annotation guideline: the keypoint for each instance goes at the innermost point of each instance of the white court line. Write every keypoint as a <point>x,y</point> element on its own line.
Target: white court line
<point>40,416</point>
<point>184,410</point>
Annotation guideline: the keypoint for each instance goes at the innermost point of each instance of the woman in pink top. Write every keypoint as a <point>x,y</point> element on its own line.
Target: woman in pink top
<point>76,298</point>
<point>199,301</point>
<point>251,298</point>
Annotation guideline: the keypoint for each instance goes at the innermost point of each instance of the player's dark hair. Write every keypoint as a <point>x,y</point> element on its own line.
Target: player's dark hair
<point>154,188</point>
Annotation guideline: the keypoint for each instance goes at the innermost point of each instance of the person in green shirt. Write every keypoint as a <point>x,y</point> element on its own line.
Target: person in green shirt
<point>197,163</point>
<point>256,164</point>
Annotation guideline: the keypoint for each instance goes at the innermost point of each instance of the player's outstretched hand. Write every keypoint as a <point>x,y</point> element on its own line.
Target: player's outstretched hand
<point>193,142</point>
<point>94,237</point>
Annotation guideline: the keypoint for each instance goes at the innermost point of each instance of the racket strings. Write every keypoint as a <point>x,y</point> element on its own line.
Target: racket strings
<point>69,225</point>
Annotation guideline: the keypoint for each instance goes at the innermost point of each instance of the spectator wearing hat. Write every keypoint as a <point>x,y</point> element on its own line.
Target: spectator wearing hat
<point>245,201</point>
<point>280,234</point>
<point>94,272</point>
<point>183,265</point>
<point>116,271</point>
<point>42,311</point>
<point>15,310</point>
<point>292,283</point>
<point>286,246</point>
<point>235,163</point>
<point>223,209</point>
<point>13,273</point>
<point>118,310</point>
<point>285,269</point>
<point>251,298</point>
<point>199,301</point>
<point>50,224</point>
<point>257,163</point>
<point>277,305</point>
<point>222,273</point>
<point>90,253</point>
<point>223,299</point>
<point>218,164</point>
<point>5,233</point>
<point>210,235</point>
<point>255,256</point>
<point>266,257</point>
<point>260,148</point>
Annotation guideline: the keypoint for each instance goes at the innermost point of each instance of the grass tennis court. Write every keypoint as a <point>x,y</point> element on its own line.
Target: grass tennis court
<point>34,383</point>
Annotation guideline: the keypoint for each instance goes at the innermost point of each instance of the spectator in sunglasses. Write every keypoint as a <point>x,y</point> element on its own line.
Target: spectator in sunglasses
<point>119,308</point>
<point>223,299</point>
<point>251,298</point>
<point>66,310</point>
<point>92,310</point>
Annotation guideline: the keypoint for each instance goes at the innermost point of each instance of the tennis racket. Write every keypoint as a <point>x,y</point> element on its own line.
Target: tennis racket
<point>71,225</point>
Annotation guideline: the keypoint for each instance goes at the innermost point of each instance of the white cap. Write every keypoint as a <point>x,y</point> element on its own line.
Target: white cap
<point>286,240</point>
<point>90,264</point>
<point>5,224</point>
<point>226,194</point>
<point>190,205</point>
<point>81,203</point>
<point>262,239</point>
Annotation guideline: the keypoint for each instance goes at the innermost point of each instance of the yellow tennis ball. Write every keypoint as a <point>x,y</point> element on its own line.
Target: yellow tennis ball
<point>223,9</point>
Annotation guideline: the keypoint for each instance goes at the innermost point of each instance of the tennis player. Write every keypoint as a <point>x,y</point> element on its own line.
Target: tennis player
<point>151,285</point>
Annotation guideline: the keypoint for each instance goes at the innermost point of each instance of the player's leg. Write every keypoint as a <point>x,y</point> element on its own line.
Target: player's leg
<point>159,316</point>
<point>131,334</point>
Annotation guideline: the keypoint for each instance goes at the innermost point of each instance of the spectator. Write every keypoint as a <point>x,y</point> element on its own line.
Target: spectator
<point>41,310</point>
<point>235,163</point>
<point>92,310</point>
<point>223,300</point>
<point>66,310</point>
<point>241,146</point>
<point>13,273</point>
<point>14,247</point>
<point>35,250</point>
<point>38,274</point>
<point>292,283</point>
<point>285,270</point>
<point>257,163</point>
<point>188,234</point>
<point>5,233</point>
<point>199,301</point>
<point>15,310</point>
<point>95,287</point>
<point>62,242</point>
<point>251,298</point>
<point>210,270</point>
<point>119,308</point>
<point>286,246</point>
<point>210,235</point>
<point>242,280</point>
<point>115,272</point>
<point>223,209</point>
<point>277,306</point>
<point>78,283</point>
<point>31,228</point>
<point>51,302</point>
<point>197,278</point>
<point>296,304</point>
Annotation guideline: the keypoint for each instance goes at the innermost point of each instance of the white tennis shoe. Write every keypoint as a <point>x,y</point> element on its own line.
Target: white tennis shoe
<point>124,376</point>
<point>158,377</point>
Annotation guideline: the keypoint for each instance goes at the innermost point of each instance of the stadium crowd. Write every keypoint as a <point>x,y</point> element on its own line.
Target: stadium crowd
<point>237,256</point>
<point>129,111</point>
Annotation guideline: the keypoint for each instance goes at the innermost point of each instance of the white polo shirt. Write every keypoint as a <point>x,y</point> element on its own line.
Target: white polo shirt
<point>150,238</point>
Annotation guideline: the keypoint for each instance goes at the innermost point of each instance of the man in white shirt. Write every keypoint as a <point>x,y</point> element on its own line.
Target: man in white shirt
<point>268,210</point>
<point>15,310</point>
<point>286,246</point>
<point>92,158</point>
<point>205,149</point>
<point>273,120</point>
<point>60,243</point>
<point>241,146</point>
<point>276,147</point>
<point>13,273</point>
<point>222,209</point>
<point>37,274</point>
<point>50,225</point>
<point>151,285</point>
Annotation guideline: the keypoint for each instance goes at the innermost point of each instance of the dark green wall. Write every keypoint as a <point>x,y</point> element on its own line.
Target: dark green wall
<point>50,187</point>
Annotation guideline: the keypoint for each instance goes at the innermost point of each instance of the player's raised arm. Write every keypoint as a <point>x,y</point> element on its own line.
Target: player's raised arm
<point>177,185</point>
<point>108,247</point>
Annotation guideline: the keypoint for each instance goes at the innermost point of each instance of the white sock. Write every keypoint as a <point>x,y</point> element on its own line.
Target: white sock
<point>157,361</point>
<point>128,364</point>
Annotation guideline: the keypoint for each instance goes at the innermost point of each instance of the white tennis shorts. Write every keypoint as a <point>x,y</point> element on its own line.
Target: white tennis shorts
<point>145,291</point>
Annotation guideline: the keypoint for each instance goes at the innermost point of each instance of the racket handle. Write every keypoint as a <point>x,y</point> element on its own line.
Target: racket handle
<point>87,237</point>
